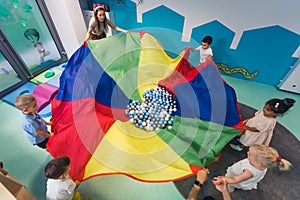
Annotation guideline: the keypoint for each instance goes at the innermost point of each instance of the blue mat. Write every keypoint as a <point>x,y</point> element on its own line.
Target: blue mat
<point>24,89</point>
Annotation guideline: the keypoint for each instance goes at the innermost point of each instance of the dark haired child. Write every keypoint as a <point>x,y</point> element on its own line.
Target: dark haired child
<point>59,184</point>
<point>259,129</point>
<point>205,49</point>
<point>33,124</point>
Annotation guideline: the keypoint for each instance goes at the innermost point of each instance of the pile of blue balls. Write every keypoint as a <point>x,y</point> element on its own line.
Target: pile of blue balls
<point>154,112</point>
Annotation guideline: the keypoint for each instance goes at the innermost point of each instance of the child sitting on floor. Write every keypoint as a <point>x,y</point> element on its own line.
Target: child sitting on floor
<point>247,173</point>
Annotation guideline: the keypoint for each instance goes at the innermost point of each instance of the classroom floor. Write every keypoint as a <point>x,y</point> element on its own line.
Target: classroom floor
<point>26,162</point>
<point>276,184</point>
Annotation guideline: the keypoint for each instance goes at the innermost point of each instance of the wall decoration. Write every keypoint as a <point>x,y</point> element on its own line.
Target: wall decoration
<point>241,70</point>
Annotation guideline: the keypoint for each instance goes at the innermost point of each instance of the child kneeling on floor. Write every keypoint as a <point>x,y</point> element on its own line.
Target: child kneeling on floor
<point>59,184</point>
<point>247,173</point>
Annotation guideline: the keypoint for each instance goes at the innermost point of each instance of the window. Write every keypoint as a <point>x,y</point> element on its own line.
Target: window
<point>29,37</point>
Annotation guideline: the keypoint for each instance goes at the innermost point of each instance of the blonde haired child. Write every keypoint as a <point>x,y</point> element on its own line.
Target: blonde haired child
<point>33,124</point>
<point>259,129</point>
<point>247,173</point>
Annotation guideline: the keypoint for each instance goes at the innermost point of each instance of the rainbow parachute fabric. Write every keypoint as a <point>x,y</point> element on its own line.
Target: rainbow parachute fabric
<point>100,80</point>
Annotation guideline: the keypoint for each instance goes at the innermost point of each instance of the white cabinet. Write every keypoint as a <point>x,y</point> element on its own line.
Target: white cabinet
<point>291,81</point>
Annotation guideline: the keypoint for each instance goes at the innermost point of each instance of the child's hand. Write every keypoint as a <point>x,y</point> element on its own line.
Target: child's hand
<point>253,129</point>
<point>77,182</point>
<point>51,135</point>
<point>215,180</point>
<point>218,180</point>
<point>48,123</point>
<point>222,187</point>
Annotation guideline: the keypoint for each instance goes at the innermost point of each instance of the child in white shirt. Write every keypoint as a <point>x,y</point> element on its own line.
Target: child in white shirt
<point>247,173</point>
<point>59,184</point>
<point>205,49</point>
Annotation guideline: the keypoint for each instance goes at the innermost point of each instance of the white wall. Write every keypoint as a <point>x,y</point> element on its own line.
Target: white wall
<point>69,23</point>
<point>68,19</point>
<point>237,15</point>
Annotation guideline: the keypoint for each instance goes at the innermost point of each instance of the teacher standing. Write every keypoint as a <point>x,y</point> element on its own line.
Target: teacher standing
<point>98,25</point>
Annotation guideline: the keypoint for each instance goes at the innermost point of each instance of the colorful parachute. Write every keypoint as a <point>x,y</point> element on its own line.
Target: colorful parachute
<point>91,126</point>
